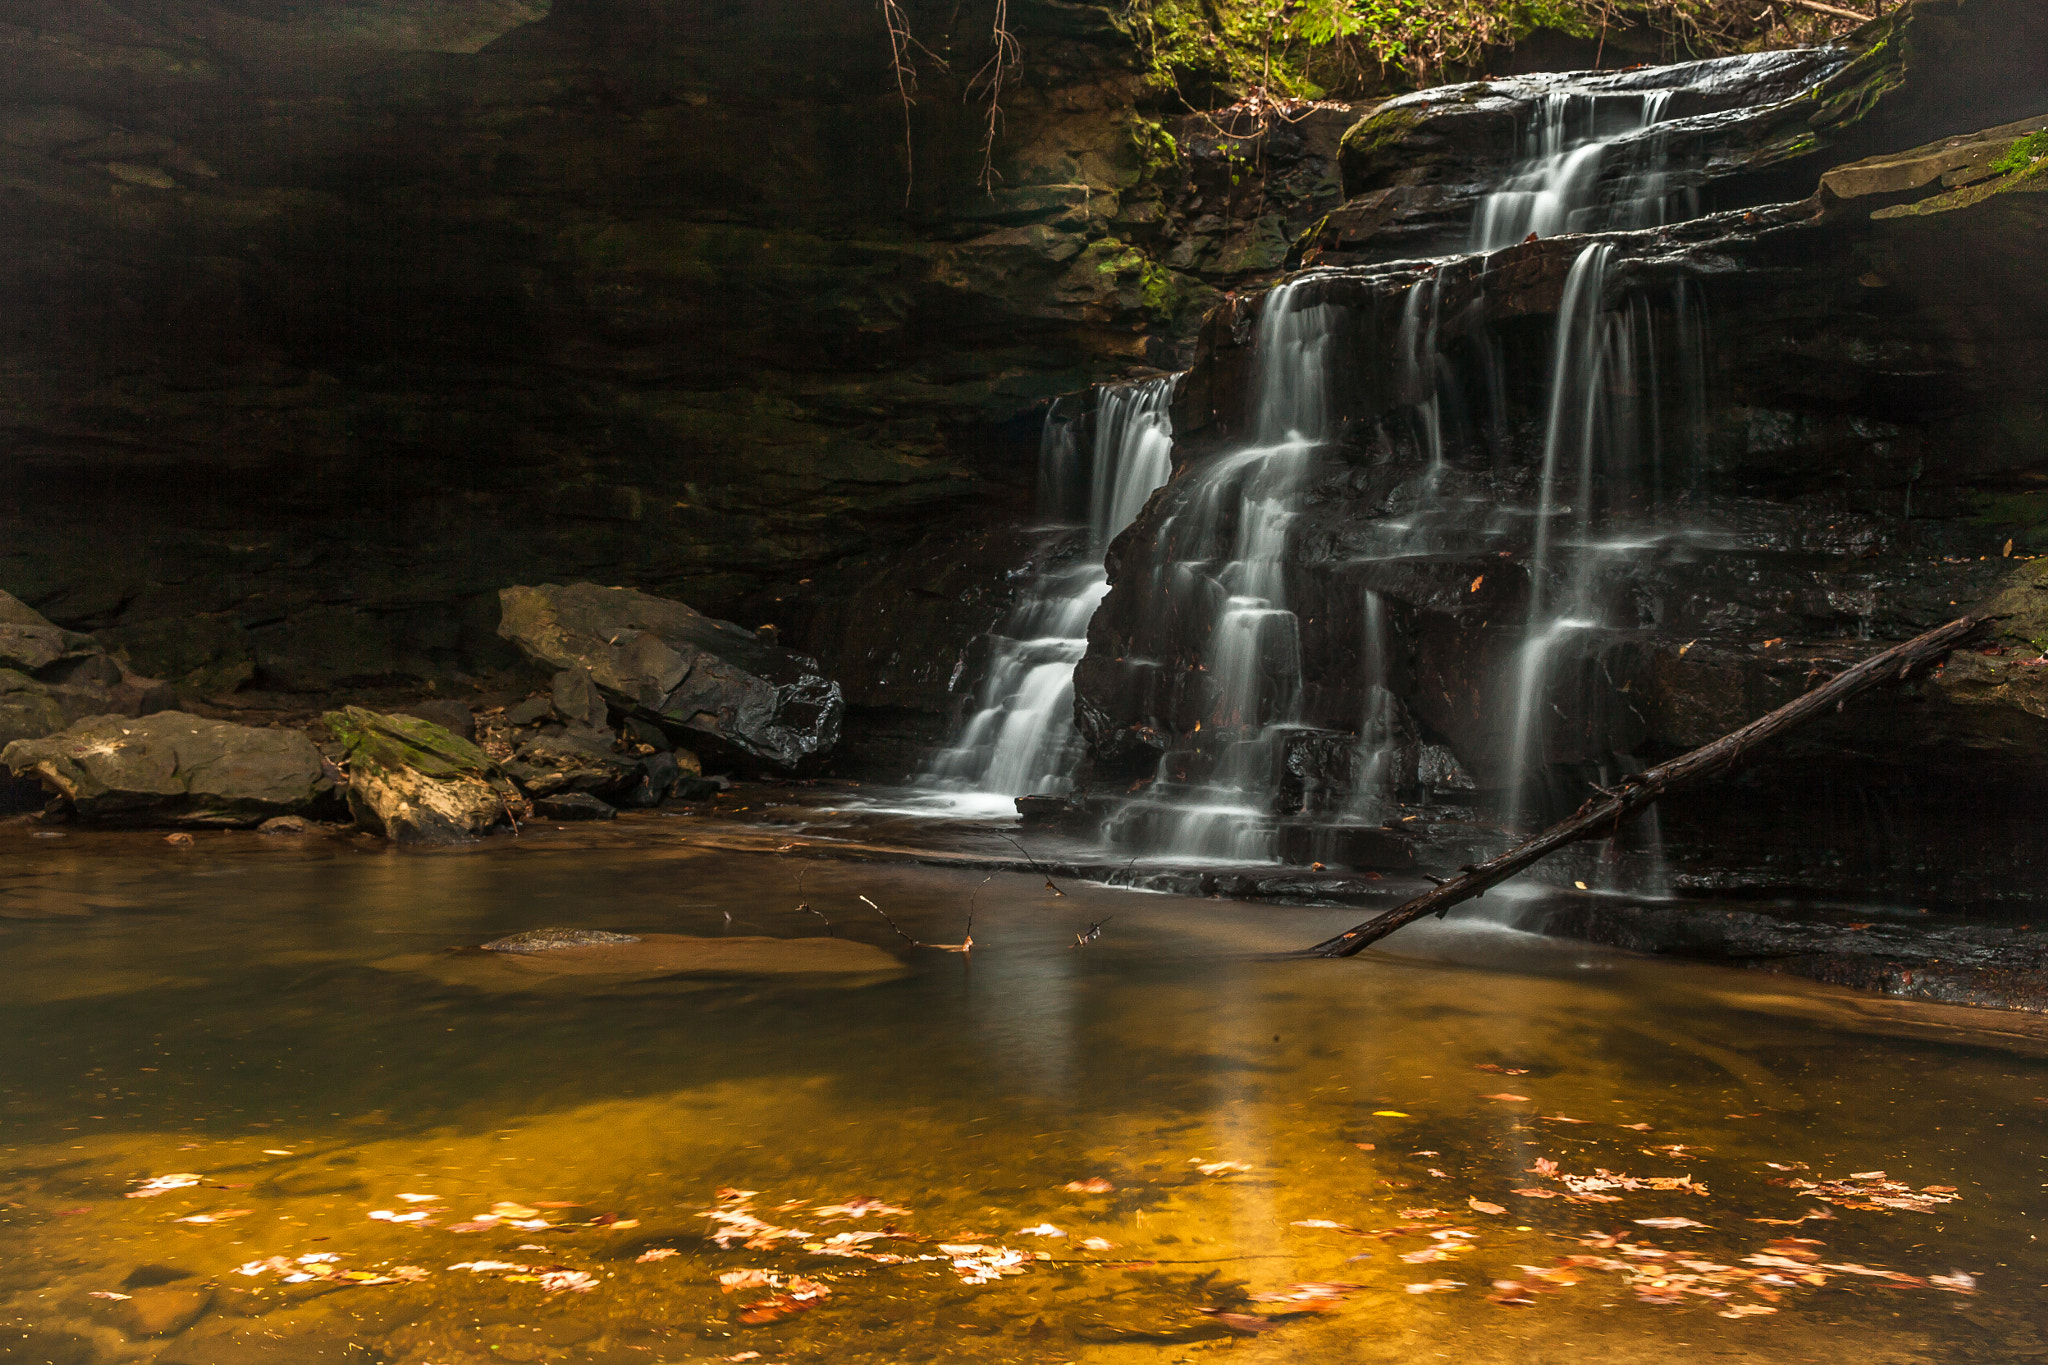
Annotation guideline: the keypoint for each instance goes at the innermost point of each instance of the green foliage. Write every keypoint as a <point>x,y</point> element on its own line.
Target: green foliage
<point>1304,48</point>
<point>2022,155</point>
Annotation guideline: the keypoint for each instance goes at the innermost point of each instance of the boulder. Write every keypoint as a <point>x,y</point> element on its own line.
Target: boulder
<point>573,806</point>
<point>28,709</point>
<point>575,760</point>
<point>30,643</point>
<point>578,703</point>
<point>174,768</point>
<point>414,782</point>
<point>668,663</point>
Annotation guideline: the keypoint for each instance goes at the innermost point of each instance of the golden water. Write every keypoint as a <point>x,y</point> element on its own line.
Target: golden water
<point>281,1018</point>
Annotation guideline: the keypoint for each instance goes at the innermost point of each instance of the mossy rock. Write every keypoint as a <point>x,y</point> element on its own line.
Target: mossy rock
<point>414,782</point>
<point>395,741</point>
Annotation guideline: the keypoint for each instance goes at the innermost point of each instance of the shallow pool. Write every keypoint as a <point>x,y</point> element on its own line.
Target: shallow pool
<point>1172,1142</point>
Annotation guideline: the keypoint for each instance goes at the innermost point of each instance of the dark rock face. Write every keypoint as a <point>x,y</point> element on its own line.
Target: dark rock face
<point>174,769</point>
<point>670,664</point>
<point>382,314</point>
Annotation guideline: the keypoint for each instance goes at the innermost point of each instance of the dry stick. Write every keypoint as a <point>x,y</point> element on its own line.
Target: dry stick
<point>1602,817</point>
<point>1818,8</point>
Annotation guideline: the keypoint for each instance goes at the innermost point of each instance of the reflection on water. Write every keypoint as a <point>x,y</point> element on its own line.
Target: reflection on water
<point>279,1020</point>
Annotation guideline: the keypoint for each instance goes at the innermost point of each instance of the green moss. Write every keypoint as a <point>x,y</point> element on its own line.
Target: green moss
<point>2022,155</point>
<point>1371,134</point>
<point>397,742</point>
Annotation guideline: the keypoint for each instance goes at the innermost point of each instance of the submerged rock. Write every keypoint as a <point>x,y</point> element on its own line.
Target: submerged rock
<point>414,782</point>
<point>670,664</point>
<point>174,768</point>
<point>548,940</point>
<point>668,959</point>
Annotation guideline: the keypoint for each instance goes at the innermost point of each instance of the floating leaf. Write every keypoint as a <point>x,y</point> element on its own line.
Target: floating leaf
<point>1482,1206</point>
<point>1506,1098</point>
<point>1094,1184</point>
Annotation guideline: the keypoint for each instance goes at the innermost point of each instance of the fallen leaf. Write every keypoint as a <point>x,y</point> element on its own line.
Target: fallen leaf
<point>1436,1287</point>
<point>1668,1223</point>
<point>1366,1146</point>
<point>1041,1230</point>
<point>1388,1114</point>
<point>1421,1213</point>
<point>506,1210</point>
<point>220,1216</point>
<point>1483,1207</point>
<point>1560,1118</point>
<point>656,1254</point>
<point>1246,1324</point>
<point>1506,1098</point>
<point>1098,1244</point>
<point>108,1294</point>
<point>1638,1127</point>
<point>1094,1184</point>
<point>1501,1070</point>
<point>1218,1167</point>
<point>1746,1310</point>
<point>164,1184</point>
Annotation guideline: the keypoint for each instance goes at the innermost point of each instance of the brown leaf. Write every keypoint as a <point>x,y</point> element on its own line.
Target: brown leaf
<point>1482,1206</point>
<point>1506,1098</point>
<point>1245,1324</point>
<point>1094,1184</point>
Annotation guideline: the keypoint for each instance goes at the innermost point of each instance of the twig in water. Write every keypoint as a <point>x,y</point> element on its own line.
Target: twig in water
<point>803,904</point>
<point>1094,932</point>
<point>1036,866</point>
<point>966,945</point>
<point>890,922</point>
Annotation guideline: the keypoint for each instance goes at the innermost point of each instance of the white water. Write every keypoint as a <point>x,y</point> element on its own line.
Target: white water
<point>1556,188</point>
<point>1020,738</point>
<point>1229,543</point>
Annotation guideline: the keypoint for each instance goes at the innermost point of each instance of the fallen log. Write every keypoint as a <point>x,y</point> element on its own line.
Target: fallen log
<point>1603,815</point>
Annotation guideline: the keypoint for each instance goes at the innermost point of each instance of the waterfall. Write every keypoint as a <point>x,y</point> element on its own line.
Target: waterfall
<point>1020,738</point>
<point>1556,187</point>
<point>1228,545</point>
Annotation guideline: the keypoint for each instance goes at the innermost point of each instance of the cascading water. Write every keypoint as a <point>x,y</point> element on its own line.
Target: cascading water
<point>1292,661</point>
<point>1020,738</point>
<point>1227,547</point>
<point>1555,189</point>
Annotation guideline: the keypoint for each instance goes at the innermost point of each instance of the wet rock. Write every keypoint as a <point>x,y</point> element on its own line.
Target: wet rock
<point>549,940</point>
<point>529,712</point>
<point>573,805</point>
<point>659,773</point>
<point>575,760</point>
<point>414,782</point>
<point>672,665</point>
<point>287,824</point>
<point>174,768</point>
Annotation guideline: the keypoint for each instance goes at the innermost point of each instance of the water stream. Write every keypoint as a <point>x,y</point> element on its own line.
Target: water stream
<point>1020,737</point>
